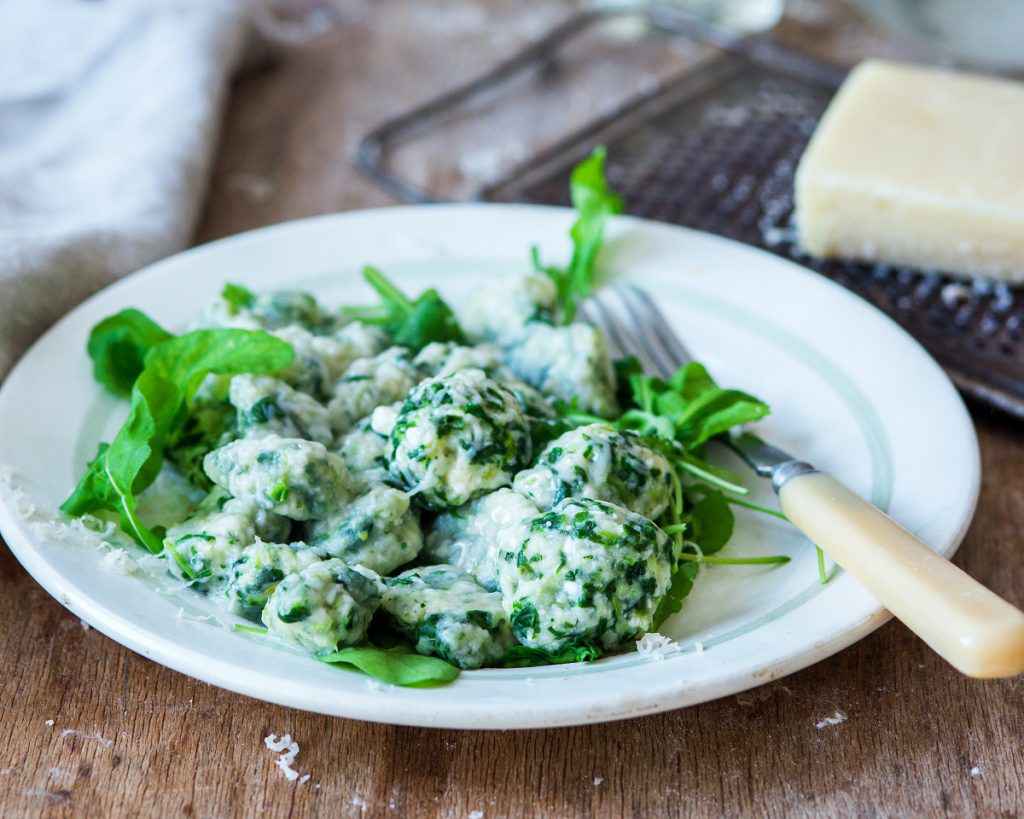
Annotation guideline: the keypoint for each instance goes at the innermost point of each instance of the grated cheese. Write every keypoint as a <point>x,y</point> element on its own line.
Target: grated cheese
<point>118,561</point>
<point>837,718</point>
<point>97,737</point>
<point>656,646</point>
<point>288,749</point>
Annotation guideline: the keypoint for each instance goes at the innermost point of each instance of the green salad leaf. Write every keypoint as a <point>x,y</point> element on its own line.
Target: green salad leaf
<point>118,346</point>
<point>413,323</point>
<point>690,408</point>
<point>238,297</point>
<point>188,359</point>
<point>710,519</point>
<point>682,585</point>
<point>160,395</point>
<point>594,201</point>
<point>397,665</point>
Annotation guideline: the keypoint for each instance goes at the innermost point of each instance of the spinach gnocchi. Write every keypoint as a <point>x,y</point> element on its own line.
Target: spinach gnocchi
<point>378,530</point>
<point>360,460</point>
<point>327,605</point>
<point>201,549</point>
<point>267,406</point>
<point>293,477</point>
<point>446,612</point>
<point>589,572</point>
<point>257,571</point>
<point>456,437</point>
<point>465,481</point>
<point>472,536</point>
<point>370,382</point>
<point>570,363</point>
<point>596,461</point>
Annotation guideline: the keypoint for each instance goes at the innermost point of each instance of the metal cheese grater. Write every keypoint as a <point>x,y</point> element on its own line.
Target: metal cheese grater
<point>716,148</point>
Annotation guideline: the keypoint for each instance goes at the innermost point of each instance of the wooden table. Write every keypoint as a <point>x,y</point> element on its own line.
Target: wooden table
<point>89,728</point>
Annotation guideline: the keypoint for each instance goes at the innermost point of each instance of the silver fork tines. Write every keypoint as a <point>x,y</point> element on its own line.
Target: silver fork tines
<point>597,313</point>
<point>678,354</point>
<point>634,324</point>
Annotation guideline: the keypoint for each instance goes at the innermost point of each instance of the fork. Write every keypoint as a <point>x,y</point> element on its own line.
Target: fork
<point>968,625</point>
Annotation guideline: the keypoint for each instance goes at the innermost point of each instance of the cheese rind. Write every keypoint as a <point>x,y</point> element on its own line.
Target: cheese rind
<point>918,167</point>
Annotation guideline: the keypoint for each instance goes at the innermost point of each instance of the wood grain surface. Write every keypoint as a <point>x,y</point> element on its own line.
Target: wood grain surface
<point>88,728</point>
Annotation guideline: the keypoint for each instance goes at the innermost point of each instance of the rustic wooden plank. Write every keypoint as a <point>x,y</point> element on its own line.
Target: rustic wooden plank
<point>132,738</point>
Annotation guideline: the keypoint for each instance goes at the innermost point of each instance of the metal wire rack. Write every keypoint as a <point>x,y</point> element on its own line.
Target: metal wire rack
<point>716,149</point>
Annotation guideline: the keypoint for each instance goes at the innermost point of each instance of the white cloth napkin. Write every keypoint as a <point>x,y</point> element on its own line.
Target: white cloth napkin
<point>109,112</point>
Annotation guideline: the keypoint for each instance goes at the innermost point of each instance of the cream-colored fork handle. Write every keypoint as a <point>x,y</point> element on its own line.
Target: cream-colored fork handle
<point>974,629</point>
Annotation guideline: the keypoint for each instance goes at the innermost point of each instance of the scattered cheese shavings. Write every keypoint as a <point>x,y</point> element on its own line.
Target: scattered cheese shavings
<point>204,619</point>
<point>837,718</point>
<point>656,646</point>
<point>275,744</point>
<point>71,732</point>
<point>118,561</point>
<point>289,749</point>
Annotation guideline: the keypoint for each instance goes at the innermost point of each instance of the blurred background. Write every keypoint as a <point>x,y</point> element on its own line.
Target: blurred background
<point>130,129</point>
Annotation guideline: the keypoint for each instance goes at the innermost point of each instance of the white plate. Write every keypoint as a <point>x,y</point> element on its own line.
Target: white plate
<point>849,389</point>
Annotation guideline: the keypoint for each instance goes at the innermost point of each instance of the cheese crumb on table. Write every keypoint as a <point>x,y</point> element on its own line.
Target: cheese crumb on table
<point>919,167</point>
<point>836,719</point>
<point>288,750</point>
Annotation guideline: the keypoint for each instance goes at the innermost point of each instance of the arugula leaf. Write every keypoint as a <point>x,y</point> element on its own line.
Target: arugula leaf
<point>689,409</point>
<point>135,455</point>
<point>238,297</point>
<point>188,359</point>
<point>711,521</point>
<point>709,414</point>
<point>397,665</point>
<point>173,371</point>
<point>118,346</point>
<point>411,323</point>
<point>520,656</point>
<point>594,201</point>
<point>692,380</point>
<point>672,602</point>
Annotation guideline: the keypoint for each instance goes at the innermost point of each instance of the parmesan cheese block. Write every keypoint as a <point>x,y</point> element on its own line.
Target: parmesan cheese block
<point>919,167</point>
